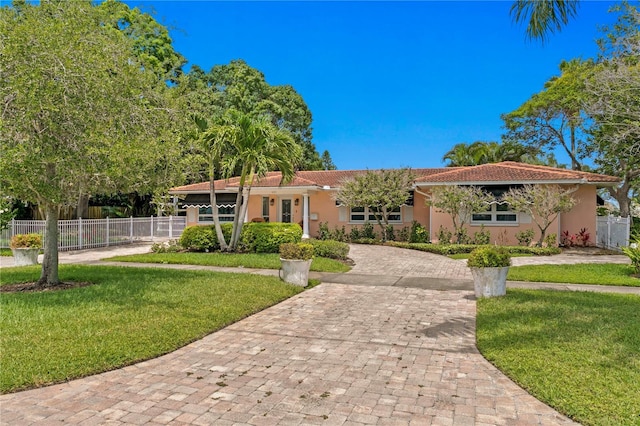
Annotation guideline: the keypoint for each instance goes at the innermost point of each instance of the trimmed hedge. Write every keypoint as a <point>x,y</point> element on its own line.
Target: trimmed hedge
<point>266,237</point>
<point>330,248</point>
<point>257,237</point>
<point>203,238</point>
<point>489,257</point>
<point>449,249</point>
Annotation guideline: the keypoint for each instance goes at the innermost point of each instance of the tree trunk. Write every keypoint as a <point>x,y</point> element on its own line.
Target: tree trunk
<point>82,209</point>
<point>214,211</point>
<point>243,213</point>
<point>49,275</point>
<point>236,218</point>
<point>621,195</point>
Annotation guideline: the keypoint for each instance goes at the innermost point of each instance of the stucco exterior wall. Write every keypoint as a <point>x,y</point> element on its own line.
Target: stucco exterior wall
<point>322,208</point>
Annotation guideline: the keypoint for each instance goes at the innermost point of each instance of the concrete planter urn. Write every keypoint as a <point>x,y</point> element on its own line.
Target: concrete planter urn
<point>296,261</point>
<point>25,249</point>
<point>490,282</point>
<point>489,267</point>
<point>25,256</point>
<point>295,272</point>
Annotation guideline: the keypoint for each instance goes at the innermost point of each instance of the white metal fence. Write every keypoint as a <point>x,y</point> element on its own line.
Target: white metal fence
<point>90,233</point>
<point>612,232</point>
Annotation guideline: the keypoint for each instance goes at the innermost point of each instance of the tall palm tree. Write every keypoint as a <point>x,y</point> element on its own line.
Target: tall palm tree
<point>543,17</point>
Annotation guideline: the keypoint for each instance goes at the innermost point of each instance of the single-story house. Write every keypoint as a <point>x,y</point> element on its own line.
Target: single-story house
<point>309,199</point>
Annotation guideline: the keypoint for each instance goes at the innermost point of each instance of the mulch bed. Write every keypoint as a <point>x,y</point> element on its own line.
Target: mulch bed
<point>34,287</point>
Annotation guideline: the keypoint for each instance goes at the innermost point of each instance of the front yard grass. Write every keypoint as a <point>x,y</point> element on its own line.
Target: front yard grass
<point>128,315</point>
<point>245,260</point>
<point>576,351</point>
<point>582,273</point>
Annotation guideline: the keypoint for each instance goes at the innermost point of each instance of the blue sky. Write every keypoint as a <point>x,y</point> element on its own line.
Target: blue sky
<point>389,84</point>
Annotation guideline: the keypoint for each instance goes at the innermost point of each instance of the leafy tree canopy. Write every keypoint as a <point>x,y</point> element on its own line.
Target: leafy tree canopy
<point>237,86</point>
<point>480,152</point>
<point>80,113</point>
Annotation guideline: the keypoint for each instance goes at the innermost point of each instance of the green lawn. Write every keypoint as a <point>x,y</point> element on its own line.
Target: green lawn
<point>246,260</point>
<point>466,255</point>
<point>584,273</point>
<point>6,252</point>
<point>576,351</point>
<point>129,315</point>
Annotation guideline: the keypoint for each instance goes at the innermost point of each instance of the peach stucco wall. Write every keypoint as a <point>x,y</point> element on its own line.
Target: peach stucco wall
<point>322,208</point>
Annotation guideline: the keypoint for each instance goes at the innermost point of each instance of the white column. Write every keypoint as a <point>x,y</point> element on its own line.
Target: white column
<point>305,216</point>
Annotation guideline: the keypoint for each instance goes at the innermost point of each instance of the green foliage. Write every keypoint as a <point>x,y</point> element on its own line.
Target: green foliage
<point>354,234</point>
<point>551,240</point>
<point>450,249</point>
<point>419,233</point>
<point>575,351</point>
<point>296,251</point>
<point>203,238</point>
<point>381,191</point>
<point>581,273</point>
<point>633,251</point>
<point>482,237</point>
<point>149,312</point>
<point>26,241</point>
<point>330,249</point>
<point>459,202</point>
<point>7,212</point>
<point>480,152</point>
<point>263,237</point>
<point>171,246</point>
<point>444,235</point>
<point>542,202</point>
<point>231,260</point>
<point>489,257</point>
<point>323,231</point>
<point>525,237</point>
<point>368,232</point>
<point>543,17</point>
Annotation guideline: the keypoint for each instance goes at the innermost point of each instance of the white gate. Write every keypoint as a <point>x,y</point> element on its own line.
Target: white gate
<point>612,232</point>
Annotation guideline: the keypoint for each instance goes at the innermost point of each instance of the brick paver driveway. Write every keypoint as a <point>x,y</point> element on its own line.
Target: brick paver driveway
<point>336,354</point>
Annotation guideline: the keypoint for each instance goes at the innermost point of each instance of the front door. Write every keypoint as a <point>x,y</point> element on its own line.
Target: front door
<point>285,210</point>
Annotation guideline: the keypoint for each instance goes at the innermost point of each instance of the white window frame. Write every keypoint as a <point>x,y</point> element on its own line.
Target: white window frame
<point>207,216</point>
<point>494,213</point>
<point>368,213</point>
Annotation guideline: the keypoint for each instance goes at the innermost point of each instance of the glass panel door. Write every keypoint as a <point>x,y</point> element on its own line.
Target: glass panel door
<point>286,211</point>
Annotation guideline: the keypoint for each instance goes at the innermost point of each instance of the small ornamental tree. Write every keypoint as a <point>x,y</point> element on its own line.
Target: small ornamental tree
<point>381,191</point>
<point>459,202</point>
<point>542,202</point>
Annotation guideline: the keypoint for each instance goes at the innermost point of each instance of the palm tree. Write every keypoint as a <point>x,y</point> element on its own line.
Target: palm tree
<point>543,17</point>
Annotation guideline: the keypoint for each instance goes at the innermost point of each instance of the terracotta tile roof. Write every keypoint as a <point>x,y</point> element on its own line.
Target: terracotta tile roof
<point>507,171</point>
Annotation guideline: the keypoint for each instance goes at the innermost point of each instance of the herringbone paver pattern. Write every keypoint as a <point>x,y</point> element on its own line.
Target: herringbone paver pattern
<point>334,355</point>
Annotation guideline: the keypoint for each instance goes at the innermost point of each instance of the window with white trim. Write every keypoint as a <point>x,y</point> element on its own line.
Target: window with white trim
<point>497,213</point>
<point>225,214</point>
<point>367,214</point>
<point>265,209</point>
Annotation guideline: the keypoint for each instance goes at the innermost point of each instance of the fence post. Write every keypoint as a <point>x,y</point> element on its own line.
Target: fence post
<point>108,236</point>
<point>151,227</point>
<point>131,228</point>
<point>80,234</point>
<point>170,226</point>
<point>13,228</point>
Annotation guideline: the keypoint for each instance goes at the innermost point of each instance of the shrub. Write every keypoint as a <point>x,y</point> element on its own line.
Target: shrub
<point>203,238</point>
<point>330,248</point>
<point>551,240</point>
<point>339,234</point>
<point>323,231</point>
<point>583,237</point>
<point>444,235</point>
<point>391,235</point>
<point>489,257</point>
<point>482,237</point>
<point>525,237</point>
<point>404,234</point>
<point>447,250</point>
<point>354,234</point>
<point>371,241</point>
<point>368,232</point>
<point>296,251</point>
<point>419,233</point>
<point>633,251</point>
<point>170,246</point>
<point>26,241</point>
<point>266,237</point>
<point>462,237</point>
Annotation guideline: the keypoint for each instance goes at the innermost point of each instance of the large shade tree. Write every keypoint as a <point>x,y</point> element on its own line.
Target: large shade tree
<point>481,152</point>
<point>81,113</point>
